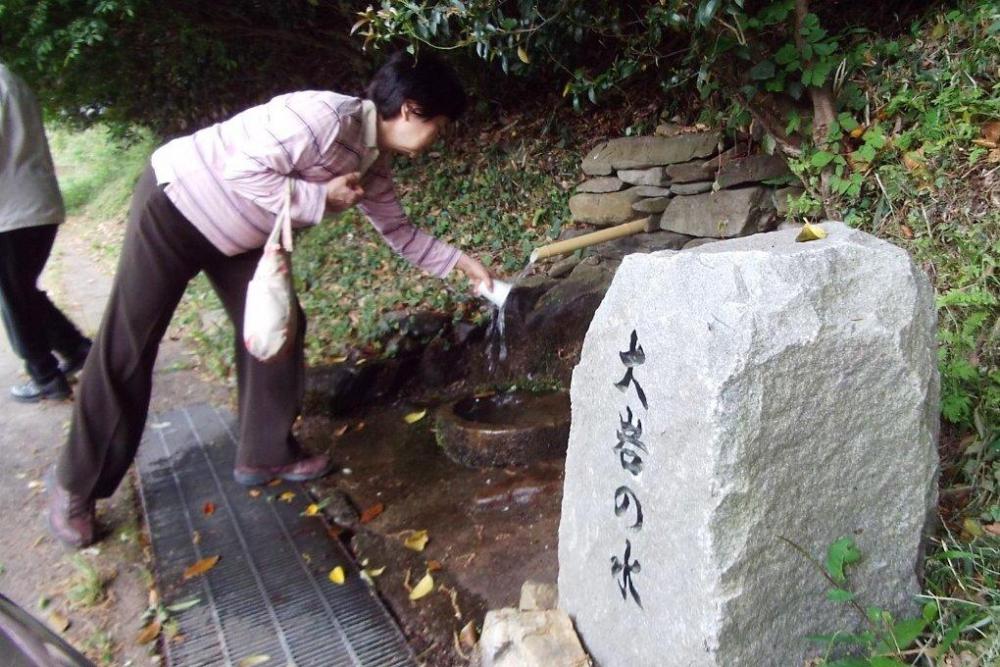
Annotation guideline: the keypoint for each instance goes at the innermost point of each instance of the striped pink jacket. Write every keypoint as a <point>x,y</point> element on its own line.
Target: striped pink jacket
<point>229,179</point>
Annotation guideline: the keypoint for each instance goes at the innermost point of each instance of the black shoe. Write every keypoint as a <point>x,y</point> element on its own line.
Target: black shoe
<point>31,391</point>
<point>74,362</point>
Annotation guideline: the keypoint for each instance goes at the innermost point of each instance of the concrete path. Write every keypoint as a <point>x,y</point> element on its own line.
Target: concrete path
<point>35,571</point>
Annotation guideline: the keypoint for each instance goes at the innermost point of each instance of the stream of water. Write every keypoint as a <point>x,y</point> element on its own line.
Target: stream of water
<point>496,339</point>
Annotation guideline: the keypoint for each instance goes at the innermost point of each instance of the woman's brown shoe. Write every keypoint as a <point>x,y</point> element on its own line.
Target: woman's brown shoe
<point>303,470</point>
<point>72,518</point>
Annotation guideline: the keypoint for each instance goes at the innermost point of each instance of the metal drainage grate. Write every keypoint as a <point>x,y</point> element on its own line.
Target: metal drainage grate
<point>269,594</point>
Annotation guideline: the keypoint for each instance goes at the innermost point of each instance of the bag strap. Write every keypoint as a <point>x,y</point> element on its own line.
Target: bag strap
<point>281,233</point>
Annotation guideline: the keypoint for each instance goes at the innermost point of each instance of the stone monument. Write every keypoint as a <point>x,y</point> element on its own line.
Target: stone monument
<point>730,396</point>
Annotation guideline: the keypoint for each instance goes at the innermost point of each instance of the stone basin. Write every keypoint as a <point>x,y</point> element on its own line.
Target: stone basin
<point>510,429</point>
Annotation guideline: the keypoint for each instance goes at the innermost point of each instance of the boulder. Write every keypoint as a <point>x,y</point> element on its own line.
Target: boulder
<point>721,214</point>
<point>731,401</point>
<point>644,152</point>
<point>538,596</point>
<point>604,209</point>
<point>599,185</point>
<point>513,638</point>
<point>653,176</point>
<point>645,243</point>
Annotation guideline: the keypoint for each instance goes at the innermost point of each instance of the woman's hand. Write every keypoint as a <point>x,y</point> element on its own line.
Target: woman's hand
<point>344,191</point>
<point>475,272</point>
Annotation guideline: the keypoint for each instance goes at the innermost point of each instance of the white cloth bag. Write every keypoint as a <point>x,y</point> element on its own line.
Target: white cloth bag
<point>270,316</point>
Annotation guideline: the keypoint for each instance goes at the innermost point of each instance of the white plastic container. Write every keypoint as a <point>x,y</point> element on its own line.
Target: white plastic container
<point>498,295</point>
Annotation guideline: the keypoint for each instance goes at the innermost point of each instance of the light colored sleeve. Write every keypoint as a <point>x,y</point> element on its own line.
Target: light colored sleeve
<point>382,208</point>
<point>291,134</point>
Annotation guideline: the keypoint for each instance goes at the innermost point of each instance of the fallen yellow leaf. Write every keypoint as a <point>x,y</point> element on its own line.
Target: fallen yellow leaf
<point>375,571</point>
<point>253,660</point>
<point>973,527</point>
<point>337,575</point>
<point>312,510</point>
<point>338,360</point>
<point>287,496</point>
<point>417,540</point>
<point>810,233</point>
<point>423,587</point>
<point>148,633</point>
<point>414,417</point>
<point>201,567</point>
<point>58,621</point>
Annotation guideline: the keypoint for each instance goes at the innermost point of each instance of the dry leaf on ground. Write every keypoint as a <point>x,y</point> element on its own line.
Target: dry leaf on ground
<point>253,660</point>
<point>371,513</point>
<point>341,430</point>
<point>417,540</point>
<point>414,417</point>
<point>337,575</point>
<point>423,587</point>
<point>287,496</point>
<point>312,510</point>
<point>469,636</point>
<point>201,567</point>
<point>434,565</point>
<point>148,633</point>
<point>254,493</point>
<point>208,509</point>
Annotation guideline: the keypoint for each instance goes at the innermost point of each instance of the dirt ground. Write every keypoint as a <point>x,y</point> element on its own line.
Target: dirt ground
<point>489,530</point>
<point>100,593</point>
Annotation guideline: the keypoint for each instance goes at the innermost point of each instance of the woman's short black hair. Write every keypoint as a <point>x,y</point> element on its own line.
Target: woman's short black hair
<point>426,80</point>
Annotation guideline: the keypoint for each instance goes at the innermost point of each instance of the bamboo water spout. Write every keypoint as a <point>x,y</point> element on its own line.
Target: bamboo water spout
<point>586,240</point>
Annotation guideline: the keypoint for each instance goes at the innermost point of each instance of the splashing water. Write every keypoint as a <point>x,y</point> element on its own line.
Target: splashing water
<point>496,339</point>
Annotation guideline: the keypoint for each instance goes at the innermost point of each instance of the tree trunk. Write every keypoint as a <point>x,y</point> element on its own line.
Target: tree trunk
<point>824,109</point>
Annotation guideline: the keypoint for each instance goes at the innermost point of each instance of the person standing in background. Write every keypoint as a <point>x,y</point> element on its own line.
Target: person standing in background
<point>31,208</point>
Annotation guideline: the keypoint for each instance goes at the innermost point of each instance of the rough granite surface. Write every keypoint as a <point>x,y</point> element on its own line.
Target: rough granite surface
<point>792,393</point>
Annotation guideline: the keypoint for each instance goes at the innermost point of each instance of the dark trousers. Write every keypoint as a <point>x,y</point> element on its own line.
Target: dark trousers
<point>161,253</point>
<point>34,325</point>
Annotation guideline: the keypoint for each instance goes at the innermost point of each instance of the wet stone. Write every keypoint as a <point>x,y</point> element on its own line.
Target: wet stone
<point>730,396</point>
<point>563,267</point>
